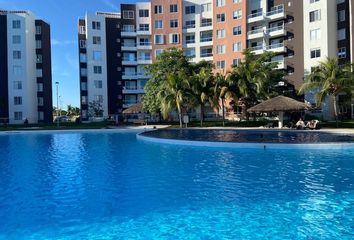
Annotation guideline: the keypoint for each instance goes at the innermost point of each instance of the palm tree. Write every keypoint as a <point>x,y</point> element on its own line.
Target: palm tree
<point>221,91</point>
<point>253,78</point>
<point>202,87</point>
<point>329,80</point>
<point>173,94</point>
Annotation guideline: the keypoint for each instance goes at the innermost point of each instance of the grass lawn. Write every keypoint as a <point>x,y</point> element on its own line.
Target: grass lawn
<point>62,126</point>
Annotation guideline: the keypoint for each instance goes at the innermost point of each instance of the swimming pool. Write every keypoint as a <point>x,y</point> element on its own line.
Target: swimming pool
<point>109,185</point>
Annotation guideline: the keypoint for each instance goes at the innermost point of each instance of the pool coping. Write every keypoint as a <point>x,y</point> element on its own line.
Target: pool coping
<point>254,145</point>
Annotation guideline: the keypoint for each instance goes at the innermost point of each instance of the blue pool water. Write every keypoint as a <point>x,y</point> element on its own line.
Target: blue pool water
<point>111,186</point>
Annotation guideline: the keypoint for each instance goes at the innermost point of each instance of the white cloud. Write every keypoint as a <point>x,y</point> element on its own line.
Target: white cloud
<point>113,6</point>
<point>56,42</point>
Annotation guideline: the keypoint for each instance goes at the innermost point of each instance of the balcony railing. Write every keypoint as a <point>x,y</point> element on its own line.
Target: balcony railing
<point>206,24</point>
<point>144,29</point>
<point>257,48</point>
<point>257,14</point>
<point>128,29</point>
<point>276,10</point>
<point>276,28</point>
<point>129,73</point>
<point>190,41</point>
<point>206,39</point>
<point>128,44</point>
<point>129,59</point>
<point>189,26</point>
<point>259,30</point>
<point>276,45</point>
<point>206,54</point>
<point>145,58</point>
<point>145,44</point>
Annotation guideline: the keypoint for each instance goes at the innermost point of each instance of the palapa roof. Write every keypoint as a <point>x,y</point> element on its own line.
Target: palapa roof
<point>134,109</point>
<point>279,104</point>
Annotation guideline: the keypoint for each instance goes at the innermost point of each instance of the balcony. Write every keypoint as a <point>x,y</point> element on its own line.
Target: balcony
<point>276,13</point>
<point>128,31</point>
<point>129,61</point>
<point>143,31</point>
<point>281,64</point>
<point>206,56</point>
<point>254,34</point>
<point>144,46</point>
<point>276,31</point>
<point>257,49</point>
<point>206,26</point>
<point>145,60</point>
<point>128,46</point>
<point>255,17</point>
<point>129,75</point>
<point>277,47</point>
<point>206,41</point>
<point>132,90</point>
<point>142,75</point>
<point>128,103</point>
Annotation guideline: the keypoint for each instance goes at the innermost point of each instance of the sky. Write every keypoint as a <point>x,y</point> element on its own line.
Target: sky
<point>63,15</point>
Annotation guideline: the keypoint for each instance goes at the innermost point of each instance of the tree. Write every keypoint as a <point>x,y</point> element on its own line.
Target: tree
<point>174,94</point>
<point>95,109</point>
<point>221,91</point>
<point>72,111</point>
<point>329,80</point>
<point>202,84</point>
<point>254,79</point>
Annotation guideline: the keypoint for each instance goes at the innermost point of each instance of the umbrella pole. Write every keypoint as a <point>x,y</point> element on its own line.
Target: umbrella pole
<point>281,119</point>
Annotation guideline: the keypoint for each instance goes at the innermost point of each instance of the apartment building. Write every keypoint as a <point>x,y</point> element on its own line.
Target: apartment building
<point>25,69</point>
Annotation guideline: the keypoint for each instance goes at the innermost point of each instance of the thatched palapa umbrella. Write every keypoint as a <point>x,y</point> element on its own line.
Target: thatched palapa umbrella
<point>279,104</point>
<point>135,109</point>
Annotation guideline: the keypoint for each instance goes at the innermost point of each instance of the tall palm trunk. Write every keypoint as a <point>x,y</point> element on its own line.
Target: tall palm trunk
<point>223,111</point>
<point>180,119</point>
<point>202,108</point>
<point>335,109</point>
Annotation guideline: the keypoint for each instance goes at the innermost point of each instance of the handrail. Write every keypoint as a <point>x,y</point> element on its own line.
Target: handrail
<point>275,10</point>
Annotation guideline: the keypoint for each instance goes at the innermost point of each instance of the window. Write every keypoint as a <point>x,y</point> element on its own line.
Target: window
<point>96,40</point>
<point>158,9</point>
<point>128,14</point>
<point>16,54</point>
<point>190,9</point>
<point>206,22</point>
<point>206,36</point>
<point>158,24</point>
<point>313,1</point>
<point>39,58</point>
<point>40,73</point>
<point>174,38</point>
<point>16,24</point>
<point>99,98</point>
<point>206,7</point>
<point>173,8</point>
<point>236,61</point>
<point>341,16</point>
<point>315,16</point>
<point>38,30</point>
<point>206,52</point>
<point>237,30</point>
<point>220,64</point>
<point>220,3</point>
<point>158,52</point>
<point>144,27</point>
<point>16,39</point>
<point>82,43</point>
<point>237,14</point>
<point>40,116</point>
<point>82,30</point>
<point>96,25</point>
<point>83,72</point>
<point>97,69</point>
<point>97,55</point>
<point>159,39</point>
<point>315,53</point>
<point>220,17</point>
<point>18,116</point>
<point>190,24</point>
<point>237,47</point>
<point>236,1</point>
<point>315,34</point>
<point>341,34</point>
<point>17,85</point>
<point>98,83</point>
<point>17,100</point>
<point>83,57</point>
<point>83,86</point>
<point>144,13</point>
<point>39,87</point>
<point>40,101</point>
<point>342,52</point>
<point>17,70</point>
<point>220,49</point>
<point>174,23</point>
<point>220,33</point>
<point>190,52</point>
<point>38,44</point>
<point>190,39</point>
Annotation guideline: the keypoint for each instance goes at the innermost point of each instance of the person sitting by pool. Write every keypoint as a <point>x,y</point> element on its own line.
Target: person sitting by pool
<point>312,124</point>
<point>300,124</point>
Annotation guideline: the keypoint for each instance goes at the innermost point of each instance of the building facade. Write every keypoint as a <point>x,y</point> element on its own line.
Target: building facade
<point>299,33</point>
<point>25,71</point>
